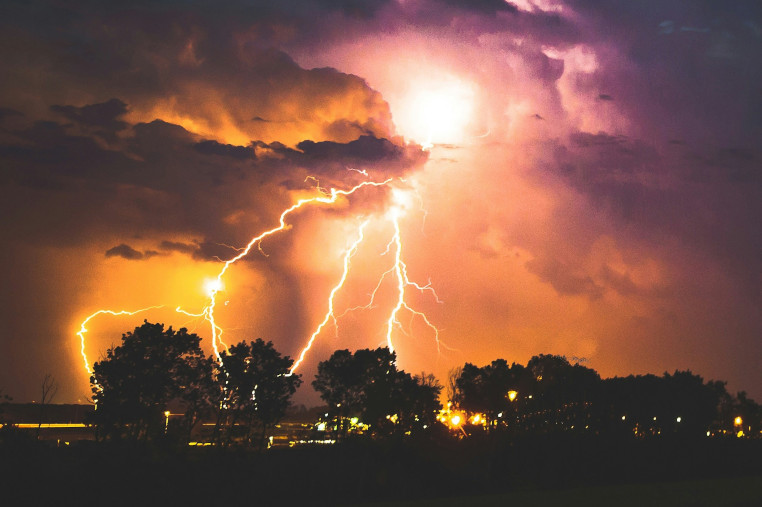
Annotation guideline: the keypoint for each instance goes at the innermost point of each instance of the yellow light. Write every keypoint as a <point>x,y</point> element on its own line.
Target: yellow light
<point>739,434</point>
<point>455,420</point>
<point>738,421</point>
<point>212,286</point>
<point>512,395</point>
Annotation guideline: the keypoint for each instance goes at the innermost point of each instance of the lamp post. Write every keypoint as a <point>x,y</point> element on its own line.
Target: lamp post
<point>738,422</point>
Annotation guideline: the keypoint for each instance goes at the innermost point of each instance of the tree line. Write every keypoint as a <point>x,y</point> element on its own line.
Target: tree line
<point>247,392</point>
<point>549,394</point>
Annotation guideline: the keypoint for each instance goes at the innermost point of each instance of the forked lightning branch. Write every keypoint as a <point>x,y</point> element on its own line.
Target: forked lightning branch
<point>400,201</point>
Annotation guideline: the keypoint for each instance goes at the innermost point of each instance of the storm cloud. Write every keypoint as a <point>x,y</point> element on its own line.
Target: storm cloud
<point>590,184</point>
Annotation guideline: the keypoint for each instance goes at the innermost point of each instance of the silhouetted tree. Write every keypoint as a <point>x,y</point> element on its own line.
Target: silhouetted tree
<point>4,400</point>
<point>750,413</point>
<point>452,382</point>
<point>368,385</point>
<point>419,404</point>
<point>134,384</point>
<point>258,387</point>
<point>201,393</point>
<point>484,390</point>
<point>678,403</point>
<point>48,389</point>
<point>345,382</point>
<point>565,396</point>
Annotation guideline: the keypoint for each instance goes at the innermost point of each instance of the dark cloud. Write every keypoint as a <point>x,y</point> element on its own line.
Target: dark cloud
<point>366,149</point>
<point>163,178</point>
<point>5,112</point>
<point>126,252</point>
<point>564,278</point>
<point>586,139</point>
<point>176,246</point>
<point>705,197</point>
<point>382,157</point>
<point>190,125</point>
<point>362,9</point>
<point>482,6</point>
<point>225,150</point>
<point>104,115</point>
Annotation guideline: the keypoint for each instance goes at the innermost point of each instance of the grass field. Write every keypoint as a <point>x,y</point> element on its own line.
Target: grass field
<point>725,492</point>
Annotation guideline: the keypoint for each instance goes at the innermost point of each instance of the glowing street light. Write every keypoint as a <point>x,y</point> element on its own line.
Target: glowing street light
<point>512,395</point>
<point>166,421</point>
<point>738,421</point>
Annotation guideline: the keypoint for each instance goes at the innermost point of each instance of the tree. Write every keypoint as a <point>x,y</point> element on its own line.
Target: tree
<point>750,413</point>
<point>419,404</point>
<point>201,393</point>
<point>368,385</point>
<point>133,386</point>
<point>4,400</point>
<point>49,389</point>
<point>565,396</point>
<point>484,390</point>
<point>258,387</point>
<point>341,381</point>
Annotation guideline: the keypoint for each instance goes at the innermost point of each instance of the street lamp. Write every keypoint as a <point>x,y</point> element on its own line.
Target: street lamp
<point>512,395</point>
<point>166,421</point>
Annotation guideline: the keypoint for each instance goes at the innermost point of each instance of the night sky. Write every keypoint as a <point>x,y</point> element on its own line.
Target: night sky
<point>577,177</point>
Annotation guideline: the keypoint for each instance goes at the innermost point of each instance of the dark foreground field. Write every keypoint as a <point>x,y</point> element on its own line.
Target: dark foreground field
<point>733,491</point>
<point>550,470</point>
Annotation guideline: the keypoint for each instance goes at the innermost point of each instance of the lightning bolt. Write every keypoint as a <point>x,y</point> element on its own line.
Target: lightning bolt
<point>205,315</point>
<point>330,313</point>
<point>83,329</point>
<point>403,281</point>
<point>323,198</point>
<point>399,270</point>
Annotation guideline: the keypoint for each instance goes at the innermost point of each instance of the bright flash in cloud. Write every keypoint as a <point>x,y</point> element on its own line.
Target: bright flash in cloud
<point>212,286</point>
<point>436,110</point>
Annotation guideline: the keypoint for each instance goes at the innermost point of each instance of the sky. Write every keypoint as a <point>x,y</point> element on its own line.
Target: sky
<point>570,177</point>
